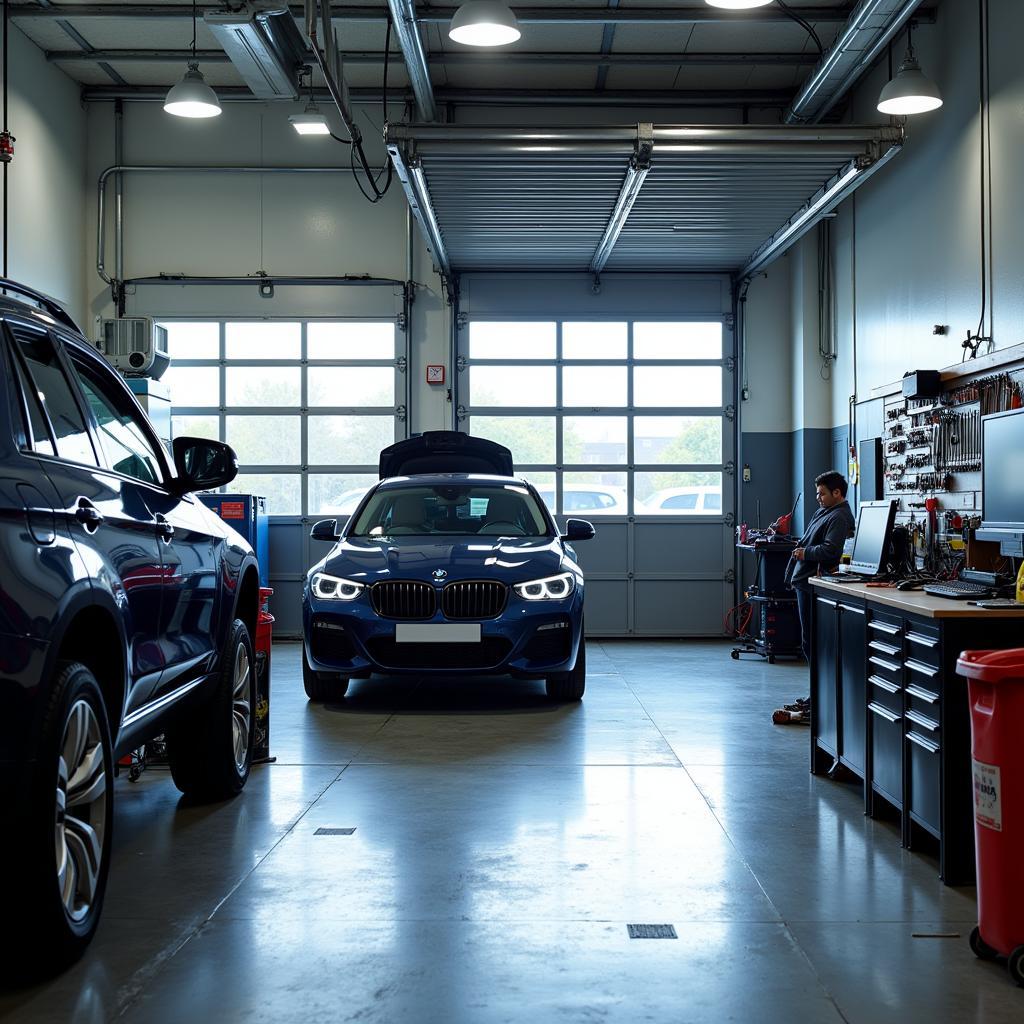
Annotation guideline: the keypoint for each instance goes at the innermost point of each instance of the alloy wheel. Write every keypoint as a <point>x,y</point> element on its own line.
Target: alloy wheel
<point>241,706</point>
<point>80,818</point>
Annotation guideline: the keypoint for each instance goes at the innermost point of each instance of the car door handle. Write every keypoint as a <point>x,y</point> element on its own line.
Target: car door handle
<point>164,528</point>
<point>88,514</point>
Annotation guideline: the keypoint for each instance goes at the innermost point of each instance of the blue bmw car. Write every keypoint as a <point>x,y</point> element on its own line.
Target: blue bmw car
<point>449,565</point>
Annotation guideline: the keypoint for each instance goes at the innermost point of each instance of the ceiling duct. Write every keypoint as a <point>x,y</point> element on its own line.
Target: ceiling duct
<point>264,44</point>
<point>872,24</point>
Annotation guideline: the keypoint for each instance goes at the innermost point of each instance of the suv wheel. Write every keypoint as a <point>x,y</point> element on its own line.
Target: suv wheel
<point>64,827</point>
<point>209,750</point>
<point>569,686</point>
<point>322,685</point>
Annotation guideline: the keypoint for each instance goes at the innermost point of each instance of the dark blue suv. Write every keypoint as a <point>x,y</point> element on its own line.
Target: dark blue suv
<point>126,611</point>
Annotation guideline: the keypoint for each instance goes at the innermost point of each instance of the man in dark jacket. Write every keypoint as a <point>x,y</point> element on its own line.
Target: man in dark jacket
<point>820,547</point>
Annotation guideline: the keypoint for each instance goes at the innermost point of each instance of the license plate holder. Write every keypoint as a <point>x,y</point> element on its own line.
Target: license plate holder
<point>437,633</point>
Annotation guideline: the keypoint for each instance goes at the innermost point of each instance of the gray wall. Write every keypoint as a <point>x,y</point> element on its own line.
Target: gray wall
<point>46,179</point>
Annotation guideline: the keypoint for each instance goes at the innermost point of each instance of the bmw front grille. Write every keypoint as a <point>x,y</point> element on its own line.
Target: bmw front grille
<point>473,599</point>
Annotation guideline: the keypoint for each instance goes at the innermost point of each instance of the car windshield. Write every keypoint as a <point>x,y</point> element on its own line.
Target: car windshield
<point>506,510</point>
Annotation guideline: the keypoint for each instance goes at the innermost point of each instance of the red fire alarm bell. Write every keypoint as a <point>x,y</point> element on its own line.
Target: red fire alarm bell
<point>435,374</point>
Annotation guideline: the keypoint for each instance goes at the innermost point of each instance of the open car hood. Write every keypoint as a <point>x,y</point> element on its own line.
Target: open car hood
<point>445,451</point>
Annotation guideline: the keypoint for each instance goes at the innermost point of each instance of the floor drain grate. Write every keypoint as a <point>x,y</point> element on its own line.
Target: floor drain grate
<point>652,931</point>
<point>334,831</point>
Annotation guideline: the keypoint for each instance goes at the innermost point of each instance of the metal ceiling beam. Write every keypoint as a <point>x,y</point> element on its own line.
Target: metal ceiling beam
<point>417,194</point>
<point>403,20</point>
<point>488,97</point>
<point>872,25</point>
<point>692,15</point>
<point>636,173</point>
<point>139,56</point>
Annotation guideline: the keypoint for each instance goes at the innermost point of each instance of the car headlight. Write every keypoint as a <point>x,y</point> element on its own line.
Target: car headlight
<point>334,588</point>
<point>551,588</point>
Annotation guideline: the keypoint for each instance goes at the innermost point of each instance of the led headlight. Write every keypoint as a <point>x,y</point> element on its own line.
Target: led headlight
<point>552,588</point>
<point>334,588</point>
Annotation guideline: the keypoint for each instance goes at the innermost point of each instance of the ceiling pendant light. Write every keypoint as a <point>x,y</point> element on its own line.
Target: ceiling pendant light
<point>192,97</point>
<point>310,122</point>
<point>484,23</point>
<point>910,91</point>
<point>738,5</point>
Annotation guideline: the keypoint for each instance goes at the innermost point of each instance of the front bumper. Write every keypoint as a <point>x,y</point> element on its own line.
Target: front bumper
<point>530,639</point>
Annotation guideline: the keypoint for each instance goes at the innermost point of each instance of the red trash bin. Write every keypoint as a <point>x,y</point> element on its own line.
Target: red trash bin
<point>996,693</point>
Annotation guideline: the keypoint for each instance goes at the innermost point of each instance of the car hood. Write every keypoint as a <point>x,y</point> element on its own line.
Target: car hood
<point>511,560</point>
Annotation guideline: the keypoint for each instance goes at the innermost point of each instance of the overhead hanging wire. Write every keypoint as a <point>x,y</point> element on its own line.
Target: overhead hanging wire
<point>388,173</point>
<point>803,23</point>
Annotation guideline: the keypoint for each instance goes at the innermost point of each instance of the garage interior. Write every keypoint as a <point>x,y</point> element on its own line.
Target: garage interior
<point>502,247</point>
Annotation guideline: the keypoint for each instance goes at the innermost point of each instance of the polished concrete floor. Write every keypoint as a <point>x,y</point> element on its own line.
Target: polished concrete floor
<point>501,848</point>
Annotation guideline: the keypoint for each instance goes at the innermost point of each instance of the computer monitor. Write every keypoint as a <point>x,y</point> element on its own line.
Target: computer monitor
<point>1002,476</point>
<point>874,532</point>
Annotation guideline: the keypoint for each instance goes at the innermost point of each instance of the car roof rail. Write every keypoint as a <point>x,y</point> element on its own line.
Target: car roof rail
<point>45,302</point>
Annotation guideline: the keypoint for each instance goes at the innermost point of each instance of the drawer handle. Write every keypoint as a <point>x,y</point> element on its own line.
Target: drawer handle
<point>892,666</point>
<point>920,666</point>
<point>883,712</point>
<point>924,641</point>
<point>825,600</point>
<point>884,684</point>
<point>922,694</point>
<point>921,720</point>
<point>923,742</point>
<point>850,608</point>
<point>881,645</point>
<point>885,627</point>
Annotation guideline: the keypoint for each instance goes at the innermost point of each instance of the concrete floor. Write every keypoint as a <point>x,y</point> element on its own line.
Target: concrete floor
<point>501,847</point>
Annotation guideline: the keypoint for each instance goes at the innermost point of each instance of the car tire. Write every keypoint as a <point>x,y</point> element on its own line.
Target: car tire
<point>322,686</point>
<point>209,750</point>
<point>62,853</point>
<point>569,686</point>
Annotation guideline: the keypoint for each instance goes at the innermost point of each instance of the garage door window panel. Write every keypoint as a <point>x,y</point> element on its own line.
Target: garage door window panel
<point>265,440</point>
<point>351,386</point>
<point>595,440</point>
<point>264,386</point>
<point>512,340</point>
<point>283,491</point>
<point>531,439</point>
<point>677,387</point>
<point>193,386</point>
<point>498,386</point>
<point>263,340</point>
<point>595,340</point>
<point>680,493</point>
<point>348,440</point>
<point>193,340</point>
<point>346,341</point>
<point>337,494</point>
<point>677,340</point>
<point>598,387</point>
<point>678,440</point>
<point>596,494</point>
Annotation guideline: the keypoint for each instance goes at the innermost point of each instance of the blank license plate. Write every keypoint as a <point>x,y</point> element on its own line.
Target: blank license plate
<point>437,633</point>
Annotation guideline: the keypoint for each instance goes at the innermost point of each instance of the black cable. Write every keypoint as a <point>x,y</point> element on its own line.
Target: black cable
<point>193,29</point>
<point>357,148</point>
<point>803,23</point>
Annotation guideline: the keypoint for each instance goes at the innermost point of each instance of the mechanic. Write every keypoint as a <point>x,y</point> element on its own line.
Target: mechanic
<point>820,547</point>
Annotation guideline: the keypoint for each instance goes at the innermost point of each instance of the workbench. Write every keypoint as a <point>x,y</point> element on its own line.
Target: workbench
<point>887,704</point>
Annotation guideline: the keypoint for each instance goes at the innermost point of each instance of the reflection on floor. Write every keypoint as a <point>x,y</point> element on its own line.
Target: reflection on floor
<point>501,847</point>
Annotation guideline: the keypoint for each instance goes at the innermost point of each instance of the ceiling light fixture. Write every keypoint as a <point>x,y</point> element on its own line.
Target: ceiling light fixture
<point>484,23</point>
<point>192,97</point>
<point>738,5</point>
<point>310,122</point>
<point>910,91</point>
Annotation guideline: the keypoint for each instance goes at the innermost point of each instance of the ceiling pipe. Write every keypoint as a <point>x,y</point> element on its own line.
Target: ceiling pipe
<point>403,20</point>
<point>872,25</point>
<point>369,57</point>
<point>692,15</point>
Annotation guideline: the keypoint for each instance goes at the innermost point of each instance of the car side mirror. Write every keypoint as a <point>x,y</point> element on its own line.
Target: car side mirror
<point>578,529</point>
<point>202,464</point>
<point>325,530</point>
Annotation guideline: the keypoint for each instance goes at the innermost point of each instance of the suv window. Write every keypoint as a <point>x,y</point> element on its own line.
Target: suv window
<point>680,501</point>
<point>35,435</point>
<point>121,435</point>
<point>54,391</point>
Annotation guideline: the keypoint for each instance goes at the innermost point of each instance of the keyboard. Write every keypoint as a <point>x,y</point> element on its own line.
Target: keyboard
<point>958,590</point>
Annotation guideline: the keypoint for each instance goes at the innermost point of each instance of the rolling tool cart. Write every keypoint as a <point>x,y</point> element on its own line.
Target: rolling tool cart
<point>261,645</point>
<point>246,514</point>
<point>771,628</point>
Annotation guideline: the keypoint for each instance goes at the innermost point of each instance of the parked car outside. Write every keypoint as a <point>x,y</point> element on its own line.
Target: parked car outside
<point>597,499</point>
<point>443,573</point>
<point>126,611</point>
<point>685,501</point>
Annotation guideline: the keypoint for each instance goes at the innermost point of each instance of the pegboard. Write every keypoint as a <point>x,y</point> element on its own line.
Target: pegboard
<point>932,449</point>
